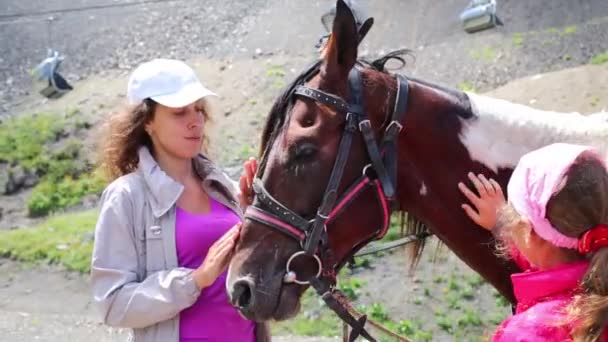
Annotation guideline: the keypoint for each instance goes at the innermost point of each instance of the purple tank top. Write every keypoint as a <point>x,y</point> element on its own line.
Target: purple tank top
<point>211,317</point>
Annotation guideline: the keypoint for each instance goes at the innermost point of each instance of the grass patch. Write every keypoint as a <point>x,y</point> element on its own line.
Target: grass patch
<point>22,139</point>
<point>275,70</point>
<point>501,301</point>
<point>568,30</point>
<point>65,239</point>
<point>245,152</point>
<point>467,86</point>
<point>486,54</point>
<point>394,230</point>
<point>63,175</point>
<point>518,39</point>
<point>277,74</point>
<point>49,196</point>
<point>351,288</point>
<point>314,319</point>
<point>600,58</point>
<point>469,318</point>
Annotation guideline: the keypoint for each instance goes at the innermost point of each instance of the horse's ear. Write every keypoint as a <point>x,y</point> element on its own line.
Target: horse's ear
<point>340,53</point>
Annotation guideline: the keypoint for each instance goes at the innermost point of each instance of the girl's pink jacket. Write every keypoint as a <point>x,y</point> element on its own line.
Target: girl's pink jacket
<point>541,297</point>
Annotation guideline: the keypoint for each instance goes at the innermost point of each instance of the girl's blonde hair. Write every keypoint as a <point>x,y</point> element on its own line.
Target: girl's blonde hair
<point>581,204</point>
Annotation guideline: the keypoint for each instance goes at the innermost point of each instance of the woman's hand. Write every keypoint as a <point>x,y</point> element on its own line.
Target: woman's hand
<point>487,204</point>
<point>217,258</point>
<point>250,167</point>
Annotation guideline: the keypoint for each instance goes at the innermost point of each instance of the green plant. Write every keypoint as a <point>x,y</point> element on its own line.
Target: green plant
<point>51,195</point>
<point>361,262</point>
<point>518,39</point>
<point>351,288</point>
<point>446,324</point>
<point>275,70</point>
<point>469,318</point>
<point>475,280</point>
<point>378,312</point>
<point>22,139</point>
<point>467,86</point>
<point>487,54</point>
<point>569,30</point>
<point>453,283</point>
<point>62,239</point>
<point>501,301</point>
<point>600,58</point>
<point>245,152</point>
<point>453,301</point>
<point>467,292</point>
<point>394,231</point>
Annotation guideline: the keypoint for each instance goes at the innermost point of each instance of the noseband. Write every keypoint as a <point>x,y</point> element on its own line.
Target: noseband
<point>380,174</point>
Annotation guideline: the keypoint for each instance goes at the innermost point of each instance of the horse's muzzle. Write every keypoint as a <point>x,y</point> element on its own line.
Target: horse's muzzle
<point>242,295</point>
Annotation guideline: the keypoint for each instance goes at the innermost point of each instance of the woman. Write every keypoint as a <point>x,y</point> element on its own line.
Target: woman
<point>555,224</point>
<point>170,218</point>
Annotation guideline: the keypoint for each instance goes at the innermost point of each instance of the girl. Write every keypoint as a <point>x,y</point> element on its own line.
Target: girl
<point>170,218</point>
<point>555,222</point>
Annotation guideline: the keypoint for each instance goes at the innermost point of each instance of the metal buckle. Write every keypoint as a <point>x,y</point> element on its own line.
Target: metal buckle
<point>364,122</point>
<point>291,276</point>
<point>395,123</point>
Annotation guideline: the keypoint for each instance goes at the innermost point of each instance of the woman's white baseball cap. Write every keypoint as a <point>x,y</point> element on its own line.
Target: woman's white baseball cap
<point>169,82</point>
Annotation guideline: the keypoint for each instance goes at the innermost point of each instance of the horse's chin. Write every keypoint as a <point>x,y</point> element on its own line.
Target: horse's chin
<point>287,306</point>
<point>289,303</point>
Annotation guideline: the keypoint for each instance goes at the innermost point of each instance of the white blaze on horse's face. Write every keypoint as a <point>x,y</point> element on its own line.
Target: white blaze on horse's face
<point>423,190</point>
<point>501,131</point>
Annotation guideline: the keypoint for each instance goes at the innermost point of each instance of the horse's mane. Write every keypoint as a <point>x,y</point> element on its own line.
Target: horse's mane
<point>279,115</point>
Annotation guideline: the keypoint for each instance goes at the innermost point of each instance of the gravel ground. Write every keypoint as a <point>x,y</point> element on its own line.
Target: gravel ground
<point>101,35</point>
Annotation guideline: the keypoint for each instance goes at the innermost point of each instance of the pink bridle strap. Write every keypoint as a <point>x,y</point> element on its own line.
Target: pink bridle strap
<point>353,192</point>
<point>270,220</point>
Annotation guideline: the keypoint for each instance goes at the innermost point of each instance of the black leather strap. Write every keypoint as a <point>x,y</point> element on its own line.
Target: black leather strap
<point>277,209</point>
<point>374,154</point>
<point>326,291</point>
<point>393,129</point>
<point>320,96</point>
<point>331,191</point>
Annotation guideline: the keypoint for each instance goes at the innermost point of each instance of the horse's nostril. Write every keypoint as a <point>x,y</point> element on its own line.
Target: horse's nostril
<point>242,294</point>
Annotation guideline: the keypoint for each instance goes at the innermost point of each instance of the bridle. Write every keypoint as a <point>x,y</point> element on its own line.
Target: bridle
<point>380,175</point>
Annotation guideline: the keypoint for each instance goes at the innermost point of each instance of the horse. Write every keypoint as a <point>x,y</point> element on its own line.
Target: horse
<point>325,187</point>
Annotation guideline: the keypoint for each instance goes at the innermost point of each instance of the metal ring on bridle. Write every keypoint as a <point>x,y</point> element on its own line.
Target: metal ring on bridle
<point>290,275</point>
<point>364,172</point>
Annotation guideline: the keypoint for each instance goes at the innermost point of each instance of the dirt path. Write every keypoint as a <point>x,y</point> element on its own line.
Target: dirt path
<point>41,303</point>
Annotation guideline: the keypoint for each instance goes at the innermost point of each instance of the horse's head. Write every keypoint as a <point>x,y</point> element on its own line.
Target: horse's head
<point>288,227</point>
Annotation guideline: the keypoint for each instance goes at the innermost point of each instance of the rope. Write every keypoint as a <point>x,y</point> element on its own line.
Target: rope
<point>393,244</point>
<point>342,299</point>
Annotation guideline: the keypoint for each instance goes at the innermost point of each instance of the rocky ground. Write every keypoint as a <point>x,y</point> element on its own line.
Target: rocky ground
<point>247,51</point>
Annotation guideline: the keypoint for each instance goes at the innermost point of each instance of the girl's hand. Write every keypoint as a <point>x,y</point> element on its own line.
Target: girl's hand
<point>250,167</point>
<point>217,258</point>
<point>487,204</point>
